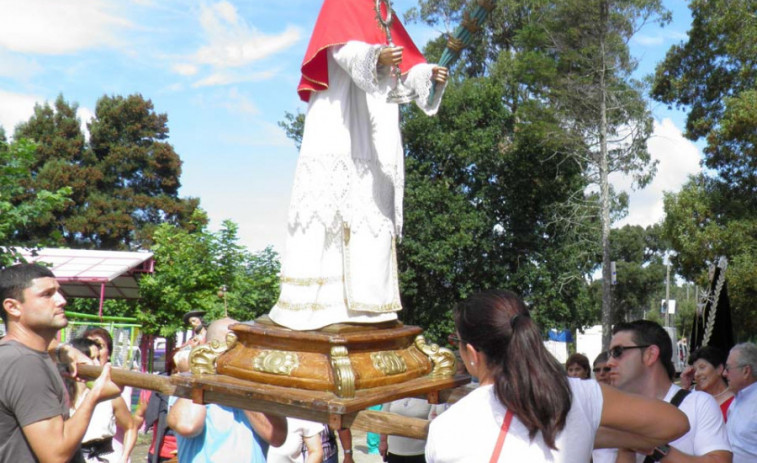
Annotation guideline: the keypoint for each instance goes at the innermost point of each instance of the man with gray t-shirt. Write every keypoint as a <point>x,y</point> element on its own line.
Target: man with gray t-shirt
<point>34,423</point>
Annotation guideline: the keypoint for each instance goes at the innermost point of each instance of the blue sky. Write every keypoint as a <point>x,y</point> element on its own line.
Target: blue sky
<point>225,72</point>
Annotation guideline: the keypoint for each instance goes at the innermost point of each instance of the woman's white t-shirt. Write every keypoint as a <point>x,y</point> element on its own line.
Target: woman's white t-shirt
<point>291,451</point>
<point>468,431</point>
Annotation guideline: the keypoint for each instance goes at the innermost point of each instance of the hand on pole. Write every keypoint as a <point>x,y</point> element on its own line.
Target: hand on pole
<point>439,74</point>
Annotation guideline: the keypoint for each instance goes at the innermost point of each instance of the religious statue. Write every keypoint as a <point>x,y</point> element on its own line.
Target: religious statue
<point>345,215</point>
<point>194,319</point>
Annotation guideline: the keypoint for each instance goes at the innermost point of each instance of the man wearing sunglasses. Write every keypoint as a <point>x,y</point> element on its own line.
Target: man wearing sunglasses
<point>641,361</point>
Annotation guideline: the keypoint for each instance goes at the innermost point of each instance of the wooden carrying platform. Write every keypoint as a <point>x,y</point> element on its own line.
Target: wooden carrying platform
<point>330,375</point>
<point>341,359</point>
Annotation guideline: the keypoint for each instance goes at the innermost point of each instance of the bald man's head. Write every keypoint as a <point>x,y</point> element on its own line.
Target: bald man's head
<point>218,329</point>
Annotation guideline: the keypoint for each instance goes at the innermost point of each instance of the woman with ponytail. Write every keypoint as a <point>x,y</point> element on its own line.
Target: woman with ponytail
<point>526,409</point>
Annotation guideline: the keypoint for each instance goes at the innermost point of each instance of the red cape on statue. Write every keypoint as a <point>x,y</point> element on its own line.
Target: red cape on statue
<point>339,22</point>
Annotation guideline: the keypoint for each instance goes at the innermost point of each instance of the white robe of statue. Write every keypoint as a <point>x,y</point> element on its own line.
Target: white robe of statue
<point>345,213</point>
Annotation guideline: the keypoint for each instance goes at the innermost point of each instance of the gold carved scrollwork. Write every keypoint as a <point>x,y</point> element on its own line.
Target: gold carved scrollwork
<point>443,359</point>
<point>388,363</point>
<point>277,362</point>
<point>344,376</point>
<point>202,359</point>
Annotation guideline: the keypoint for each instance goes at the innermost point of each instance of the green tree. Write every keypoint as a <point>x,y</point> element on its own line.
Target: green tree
<point>251,280</point>
<point>713,75</point>
<point>566,69</point>
<point>702,224</point>
<point>480,200</point>
<point>640,273</point>
<point>191,267</point>
<point>15,161</point>
<point>591,88</point>
<point>186,277</point>
<point>124,181</point>
<point>258,286</point>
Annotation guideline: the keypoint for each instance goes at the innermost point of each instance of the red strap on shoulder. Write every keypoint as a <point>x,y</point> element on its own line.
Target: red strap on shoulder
<point>501,438</point>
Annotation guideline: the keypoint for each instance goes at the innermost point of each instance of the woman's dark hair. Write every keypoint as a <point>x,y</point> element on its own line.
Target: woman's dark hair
<point>101,333</point>
<point>582,361</point>
<point>528,380</point>
<point>712,355</point>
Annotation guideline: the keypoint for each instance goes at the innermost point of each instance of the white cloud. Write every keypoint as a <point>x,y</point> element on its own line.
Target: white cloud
<point>17,67</point>
<point>231,43</point>
<point>15,108</point>
<point>185,69</point>
<point>678,158</point>
<point>239,103</point>
<point>85,115</point>
<point>225,77</point>
<point>54,27</point>
<point>648,40</point>
<point>660,37</point>
<point>236,44</point>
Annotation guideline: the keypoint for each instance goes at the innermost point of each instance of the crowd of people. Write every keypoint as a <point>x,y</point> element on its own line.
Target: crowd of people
<point>527,406</point>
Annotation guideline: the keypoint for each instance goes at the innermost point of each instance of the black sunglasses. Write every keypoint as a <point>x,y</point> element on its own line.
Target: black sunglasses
<point>602,369</point>
<point>617,351</point>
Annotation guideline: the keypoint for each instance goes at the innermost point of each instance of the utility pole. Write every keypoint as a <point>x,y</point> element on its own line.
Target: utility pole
<point>667,295</point>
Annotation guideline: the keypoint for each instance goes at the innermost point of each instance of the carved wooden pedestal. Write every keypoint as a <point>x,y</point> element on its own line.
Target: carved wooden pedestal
<point>330,375</point>
<point>339,358</point>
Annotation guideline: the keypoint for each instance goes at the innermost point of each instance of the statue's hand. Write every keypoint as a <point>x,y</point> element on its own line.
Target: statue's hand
<point>390,56</point>
<point>439,74</point>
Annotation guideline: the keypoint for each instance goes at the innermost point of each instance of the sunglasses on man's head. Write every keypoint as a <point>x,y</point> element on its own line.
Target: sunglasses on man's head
<point>602,369</point>
<point>617,351</point>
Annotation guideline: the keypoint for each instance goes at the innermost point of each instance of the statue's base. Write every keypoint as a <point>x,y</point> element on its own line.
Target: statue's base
<point>342,358</point>
<point>321,375</point>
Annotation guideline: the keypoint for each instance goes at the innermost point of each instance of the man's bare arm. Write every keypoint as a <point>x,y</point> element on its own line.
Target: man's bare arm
<point>54,440</point>
<point>186,418</point>
<point>314,444</point>
<point>718,456</point>
<point>125,421</point>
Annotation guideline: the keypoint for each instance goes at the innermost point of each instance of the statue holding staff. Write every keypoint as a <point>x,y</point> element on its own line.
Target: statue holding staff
<point>345,214</point>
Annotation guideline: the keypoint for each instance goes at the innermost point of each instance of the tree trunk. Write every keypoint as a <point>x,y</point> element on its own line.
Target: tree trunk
<point>604,189</point>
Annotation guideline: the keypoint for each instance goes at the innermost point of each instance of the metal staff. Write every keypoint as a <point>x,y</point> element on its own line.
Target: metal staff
<point>400,94</point>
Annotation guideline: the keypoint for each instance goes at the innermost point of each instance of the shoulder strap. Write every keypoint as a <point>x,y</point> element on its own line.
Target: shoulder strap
<point>501,438</point>
<point>676,400</point>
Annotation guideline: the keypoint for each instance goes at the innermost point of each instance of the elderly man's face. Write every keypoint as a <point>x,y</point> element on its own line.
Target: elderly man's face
<point>737,374</point>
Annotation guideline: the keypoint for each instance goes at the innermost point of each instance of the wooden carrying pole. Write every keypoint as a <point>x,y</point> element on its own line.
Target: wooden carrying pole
<point>364,420</point>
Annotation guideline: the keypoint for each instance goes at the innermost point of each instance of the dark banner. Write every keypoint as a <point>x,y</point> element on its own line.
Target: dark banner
<point>712,322</point>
